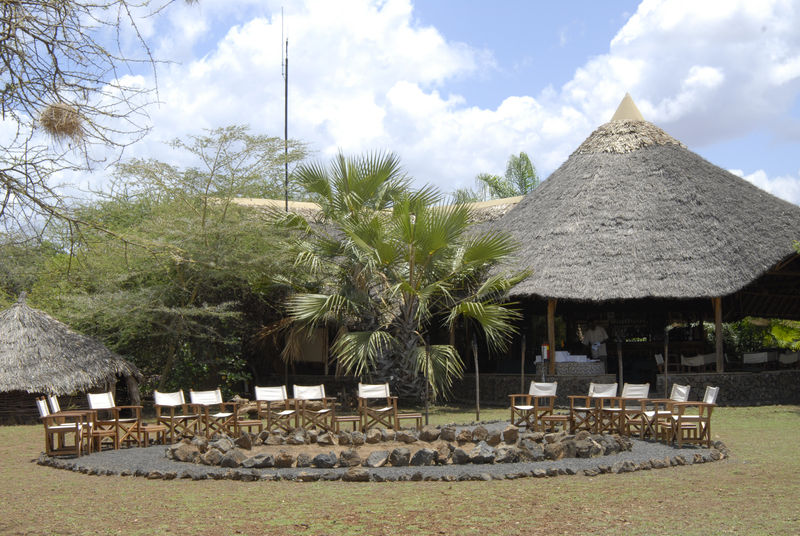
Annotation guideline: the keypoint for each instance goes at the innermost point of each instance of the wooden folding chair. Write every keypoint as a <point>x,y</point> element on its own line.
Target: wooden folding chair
<point>584,411</point>
<point>274,406</point>
<point>313,408</point>
<point>528,409</point>
<point>654,408</point>
<point>173,412</point>
<point>126,429</point>
<point>689,421</point>
<point>624,412</point>
<point>375,415</point>
<point>58,427</point>
<point>223,420</point>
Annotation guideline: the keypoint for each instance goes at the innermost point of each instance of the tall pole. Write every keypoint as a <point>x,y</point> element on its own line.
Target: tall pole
<point>286,127</point>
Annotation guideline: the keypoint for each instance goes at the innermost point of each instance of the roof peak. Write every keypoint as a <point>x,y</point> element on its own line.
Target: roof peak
<point>627,110</point>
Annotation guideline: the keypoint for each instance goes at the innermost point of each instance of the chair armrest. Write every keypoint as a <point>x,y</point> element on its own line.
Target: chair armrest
<point>525,397</point>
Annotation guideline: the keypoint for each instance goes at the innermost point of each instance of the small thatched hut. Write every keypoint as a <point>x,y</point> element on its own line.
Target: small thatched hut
<point>40,355</point>
<point>634,223</point>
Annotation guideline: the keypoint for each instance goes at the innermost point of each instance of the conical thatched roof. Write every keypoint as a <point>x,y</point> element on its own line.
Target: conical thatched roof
<point>39,354</point>
<point>634,214</point>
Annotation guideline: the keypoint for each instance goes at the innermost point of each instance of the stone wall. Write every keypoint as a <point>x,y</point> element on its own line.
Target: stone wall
<point>736,388</point>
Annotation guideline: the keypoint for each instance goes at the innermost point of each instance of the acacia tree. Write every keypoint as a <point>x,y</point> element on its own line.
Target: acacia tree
<point>66,95</point>
<point>400,263</point>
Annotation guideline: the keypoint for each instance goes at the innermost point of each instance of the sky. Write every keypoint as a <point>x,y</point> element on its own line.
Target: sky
<point>456,86</point>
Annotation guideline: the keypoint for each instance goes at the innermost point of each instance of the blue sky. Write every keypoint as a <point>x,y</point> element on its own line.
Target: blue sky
<point>456,86</point>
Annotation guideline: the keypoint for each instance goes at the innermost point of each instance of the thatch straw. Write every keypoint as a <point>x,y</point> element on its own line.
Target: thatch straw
<point>39,354</point>
<point>62,121</point>
<point>634,214</point>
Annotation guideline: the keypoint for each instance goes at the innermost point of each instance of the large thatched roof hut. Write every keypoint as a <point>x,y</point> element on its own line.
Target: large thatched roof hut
<point>40,355</point>
<point>633,216</point>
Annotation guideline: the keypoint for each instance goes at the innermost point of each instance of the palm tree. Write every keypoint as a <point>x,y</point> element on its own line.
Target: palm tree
<point>396,263</point>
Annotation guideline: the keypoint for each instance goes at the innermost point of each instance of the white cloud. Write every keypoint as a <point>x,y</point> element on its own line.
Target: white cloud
<point>786,187</point>
<point>367,75</point>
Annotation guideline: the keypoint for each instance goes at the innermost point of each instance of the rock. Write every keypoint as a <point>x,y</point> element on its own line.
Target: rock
<point>373,436</point>
<point>244,441</point>
<point>587,448</point>
<point>494,438</point>
<point>303,460</point>
<point>211,457</point>
<point>536,437</point>
<point>325,438</point>
<point>388,435</point>
<point>356,474</point>
<point>263,435</point>
<point>200,442</point>
<point>429,434</point>
<point>460,456</point>
<point>259,461</point>
<point>539,473</point>
<point>185,452</point>
<point>275,439</point>
<point>553,437</point>
<point>233,458</point>
<point>530,450</point>
<point>223,444</point>
<point>511,435</point>
<point>423,457</point>
<point>464,436</point>
<point>349,458</point>
<point>406,436</point>
<point>570,450</point>
<point>325,461</point>
<point>480,433</point>
<point>297,437</point>
<point>307,476</point>
<point>358,438</point>
<point>154,475</point>
<point>400,457</point>
<point>554,451</point>
<point>582,434</point>
<point>715,454</point>
<point>284,459</point>
<point>312,435</point>
<point>443,451</point>
<point>377,458</point>
<point>506,455</point>
<point>447,433</point>
<point>482,453</point>
<point>344,438</point>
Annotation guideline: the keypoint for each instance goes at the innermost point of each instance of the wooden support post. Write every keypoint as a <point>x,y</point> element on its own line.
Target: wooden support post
<point>522,367</point>
<point>551,333</point>
<point>477,380</point>
<point>718,333</point>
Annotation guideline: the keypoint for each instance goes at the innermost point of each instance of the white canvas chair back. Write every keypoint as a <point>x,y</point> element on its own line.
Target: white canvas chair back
<point>41,405</point>
<point>206,398</point>
<point>693,361</point>
<point>309,392</point>
<point>602,389</point>
<point>55,407</point>
<point>679,393</point>
<point>271,394</point>
<point>635,390</point>
<point>710,396</point>
<point>543,388</point>
<point>756,358</point>
<point>373,390</point>
<point>659,359</point>
<point>788,359</point>
<point>101,400</point>
<point>169,399</point>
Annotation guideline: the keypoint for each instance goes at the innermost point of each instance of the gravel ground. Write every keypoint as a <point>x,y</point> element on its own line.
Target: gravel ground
<point>152,462</point>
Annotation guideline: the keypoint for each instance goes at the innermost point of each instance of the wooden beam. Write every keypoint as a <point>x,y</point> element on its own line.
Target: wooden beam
<point>717,302</point>
<point>551,333</point>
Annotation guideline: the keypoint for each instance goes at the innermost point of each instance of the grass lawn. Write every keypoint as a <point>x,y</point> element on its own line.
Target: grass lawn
<point>755,492</point>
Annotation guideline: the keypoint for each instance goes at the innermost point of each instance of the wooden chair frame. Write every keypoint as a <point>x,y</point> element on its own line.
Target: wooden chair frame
<point>584,411</point>
<point>654,408</point>
<point>221,421</point>
<point>373,415</point>
<point>309,416</point>
<point>58,427</point>
<point>183,424</point>
<point>126,429</point>
<point>690,422</point>
<point>275,406</point>
<point>528,409</point>
<point>624,413</point>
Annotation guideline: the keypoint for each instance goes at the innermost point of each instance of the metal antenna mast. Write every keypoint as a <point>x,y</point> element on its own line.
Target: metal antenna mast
<point>285,74</point>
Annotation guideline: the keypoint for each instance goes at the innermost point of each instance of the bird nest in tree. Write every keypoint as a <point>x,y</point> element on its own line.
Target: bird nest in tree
<point>62,121</point>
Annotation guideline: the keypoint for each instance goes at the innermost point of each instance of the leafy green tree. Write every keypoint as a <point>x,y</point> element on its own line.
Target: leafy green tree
<point>400,263</point>
<point>519,179</point>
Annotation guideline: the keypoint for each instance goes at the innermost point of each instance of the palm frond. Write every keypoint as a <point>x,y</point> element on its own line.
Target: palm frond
<point>496,320</point>
<point>316,308</point>
<point>358,351</point>
<point>440,364</point>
